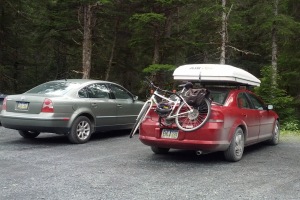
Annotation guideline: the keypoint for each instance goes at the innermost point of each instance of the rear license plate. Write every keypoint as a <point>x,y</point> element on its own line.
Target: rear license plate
<point>169,133</point>
<point>22,105</point>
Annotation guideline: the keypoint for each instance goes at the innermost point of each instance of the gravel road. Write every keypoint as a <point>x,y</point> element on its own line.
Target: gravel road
<point>112,166</point>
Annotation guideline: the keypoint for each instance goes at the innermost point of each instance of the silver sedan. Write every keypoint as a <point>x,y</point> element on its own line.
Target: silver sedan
<point>72,107</point>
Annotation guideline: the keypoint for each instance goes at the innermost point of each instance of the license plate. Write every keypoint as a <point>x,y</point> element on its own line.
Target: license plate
<point>22,105</point>
<point>169,133</point>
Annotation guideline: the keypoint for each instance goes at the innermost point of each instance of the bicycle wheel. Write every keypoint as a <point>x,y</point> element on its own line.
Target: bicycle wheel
<point>140,118</point>
<point>190,121</point>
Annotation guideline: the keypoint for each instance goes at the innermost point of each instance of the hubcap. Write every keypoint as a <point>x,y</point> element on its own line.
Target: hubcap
<point>239,145</point>
<point>276,133</point>
<point>83,130</point>
<point>193,114</point>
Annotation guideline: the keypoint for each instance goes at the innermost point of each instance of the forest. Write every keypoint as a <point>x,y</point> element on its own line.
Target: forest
<point>125,40</point>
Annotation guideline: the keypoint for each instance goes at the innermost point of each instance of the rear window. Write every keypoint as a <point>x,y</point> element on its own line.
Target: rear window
<point>53,88</point>
<point>218,96</point>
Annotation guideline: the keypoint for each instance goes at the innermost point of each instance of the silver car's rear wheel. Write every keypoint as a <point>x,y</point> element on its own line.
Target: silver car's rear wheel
<point>81,130</point>
<point>28,134</point>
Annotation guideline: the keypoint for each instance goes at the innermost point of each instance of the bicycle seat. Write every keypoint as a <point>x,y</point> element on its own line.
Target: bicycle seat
<point>187,85</point>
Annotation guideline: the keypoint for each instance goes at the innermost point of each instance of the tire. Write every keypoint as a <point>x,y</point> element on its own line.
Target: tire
<point>236,149</point>
<point>28,134</point>
<point>276,133</point>
<point>195,120</point>
<point>139,119</point>
<point>81,130</point>
<point>158,150</point>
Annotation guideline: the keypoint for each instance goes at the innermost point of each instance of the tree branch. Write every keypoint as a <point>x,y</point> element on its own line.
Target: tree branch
<point>243,51</point>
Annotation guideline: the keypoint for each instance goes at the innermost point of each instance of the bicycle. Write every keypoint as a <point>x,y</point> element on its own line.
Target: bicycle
<point>188,116</point>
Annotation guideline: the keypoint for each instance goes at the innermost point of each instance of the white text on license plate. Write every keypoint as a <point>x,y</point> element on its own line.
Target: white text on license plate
<point>169,133</point>
<point>22,105</point>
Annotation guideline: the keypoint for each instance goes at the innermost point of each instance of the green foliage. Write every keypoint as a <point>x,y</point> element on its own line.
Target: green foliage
<point>159,68</point>
<point>42,40</point>
<point>283,104</point>
<point>147,18</point>
<point>161,74</point>
<point>292,125</point>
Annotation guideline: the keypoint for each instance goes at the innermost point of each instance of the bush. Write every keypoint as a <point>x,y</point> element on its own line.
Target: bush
<point>283,104</point>
<point>292,125</point>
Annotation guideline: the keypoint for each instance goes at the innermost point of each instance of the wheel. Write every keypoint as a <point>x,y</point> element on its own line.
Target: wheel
<point>139,119</point>
<point>191,121</point>
<point>158,150</point>
<point>236,149</point>
<point>276,133</point>
<point>81,130</point>
<point>28,134</point>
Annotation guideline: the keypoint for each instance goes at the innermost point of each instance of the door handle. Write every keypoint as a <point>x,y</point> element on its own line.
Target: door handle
<point>119,105</point>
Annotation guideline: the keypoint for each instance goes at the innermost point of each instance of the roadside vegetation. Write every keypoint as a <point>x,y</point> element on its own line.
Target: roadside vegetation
<point>124,40</point>
<point>290,128</point>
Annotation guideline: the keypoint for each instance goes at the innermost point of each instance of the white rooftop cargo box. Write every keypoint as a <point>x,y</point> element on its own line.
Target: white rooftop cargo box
<point>215,74</point>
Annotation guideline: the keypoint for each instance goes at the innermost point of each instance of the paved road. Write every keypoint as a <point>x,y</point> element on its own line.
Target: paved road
<point>112,166</point>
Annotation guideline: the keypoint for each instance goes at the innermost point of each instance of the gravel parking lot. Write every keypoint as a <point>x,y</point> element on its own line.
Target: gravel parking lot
<point>112,166</point>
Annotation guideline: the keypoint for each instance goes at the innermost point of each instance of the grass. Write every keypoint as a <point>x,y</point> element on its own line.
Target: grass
<point>290,133</point>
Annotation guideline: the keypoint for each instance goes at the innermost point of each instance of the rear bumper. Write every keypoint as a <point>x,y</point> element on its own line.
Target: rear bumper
<point>52,125</point>
<point>209,138</point>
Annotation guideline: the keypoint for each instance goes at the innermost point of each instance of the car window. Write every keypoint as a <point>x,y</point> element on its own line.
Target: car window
<point>257,103</point>
<point>53,88</point>
<point>218,96</point>
<point>96,90</point>
<point>242,101</point>
<point>119,92</point>
<point>83,93</point>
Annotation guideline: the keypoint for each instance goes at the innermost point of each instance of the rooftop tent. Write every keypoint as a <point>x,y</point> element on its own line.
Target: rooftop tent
<point>215,74</point>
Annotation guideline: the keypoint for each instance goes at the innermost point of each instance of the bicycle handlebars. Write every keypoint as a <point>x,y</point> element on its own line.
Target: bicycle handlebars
<point>158,88</point>
<point>187,86</point>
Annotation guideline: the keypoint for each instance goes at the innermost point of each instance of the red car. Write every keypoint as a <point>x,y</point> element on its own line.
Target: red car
<point>238,118</point>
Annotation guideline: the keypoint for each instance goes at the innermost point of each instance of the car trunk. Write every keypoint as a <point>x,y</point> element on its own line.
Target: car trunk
<point>24,104</point>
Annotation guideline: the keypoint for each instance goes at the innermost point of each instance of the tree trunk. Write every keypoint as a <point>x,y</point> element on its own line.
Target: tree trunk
<point>109,67</point>
<point>274,44</point>
<point>156,56</point>
<point>223,34</point>
<point>87,41</point>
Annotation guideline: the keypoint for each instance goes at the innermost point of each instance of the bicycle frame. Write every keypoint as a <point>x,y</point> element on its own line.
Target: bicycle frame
<point>173,103</point>
<point>179,102</point>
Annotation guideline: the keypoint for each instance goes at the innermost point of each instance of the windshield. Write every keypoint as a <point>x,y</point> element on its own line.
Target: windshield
<point>53,88</point>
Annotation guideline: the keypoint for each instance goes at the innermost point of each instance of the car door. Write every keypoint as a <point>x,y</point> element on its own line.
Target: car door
<point>102,105</point>
<point>250,117</point>
<point>126,109</point>
<point>266,118</point>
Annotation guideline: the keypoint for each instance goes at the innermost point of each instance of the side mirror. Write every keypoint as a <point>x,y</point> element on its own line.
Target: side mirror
<point>135,98</point>
<point>270,107</point>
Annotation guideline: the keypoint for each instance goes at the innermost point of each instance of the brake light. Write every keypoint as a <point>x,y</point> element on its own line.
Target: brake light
<point>47,106</point>
<point>216,116</point>
<point>4,104</point>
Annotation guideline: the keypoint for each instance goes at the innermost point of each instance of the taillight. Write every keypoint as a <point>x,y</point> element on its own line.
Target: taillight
<point>4,104</point>
<point>216,116</point>
<point>47,106</point>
